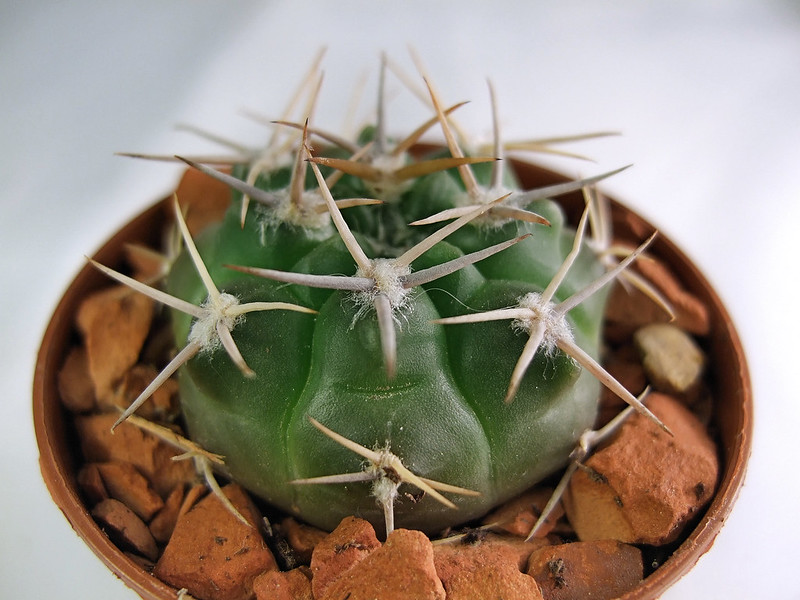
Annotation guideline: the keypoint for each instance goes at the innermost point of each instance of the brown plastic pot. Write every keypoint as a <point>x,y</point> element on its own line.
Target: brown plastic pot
<point>730,382</point>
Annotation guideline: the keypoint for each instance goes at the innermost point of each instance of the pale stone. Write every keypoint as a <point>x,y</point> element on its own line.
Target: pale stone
<point>672,360</point>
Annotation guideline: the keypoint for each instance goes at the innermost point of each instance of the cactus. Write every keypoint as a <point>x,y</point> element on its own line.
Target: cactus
<point>408,338</point>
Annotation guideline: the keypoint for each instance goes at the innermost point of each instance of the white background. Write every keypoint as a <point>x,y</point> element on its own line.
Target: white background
<point>706,93</point>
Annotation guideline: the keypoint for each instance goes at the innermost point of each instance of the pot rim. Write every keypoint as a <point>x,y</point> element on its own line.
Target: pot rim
<point>54,439</point>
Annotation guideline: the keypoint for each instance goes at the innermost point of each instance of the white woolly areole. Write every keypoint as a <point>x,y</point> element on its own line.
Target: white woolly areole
<point>483,196</point>
<point>304,213</point>
<point>388,163</point>
<point>479,196</point>
<point>556,326</point>
<point>384,488</point>
<point>384,491</point>
<point>204,329</point>
<point>388,187</point>
<point>387,276</point>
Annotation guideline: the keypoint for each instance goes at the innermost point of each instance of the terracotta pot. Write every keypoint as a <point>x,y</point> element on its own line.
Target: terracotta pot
<point>732,411</point>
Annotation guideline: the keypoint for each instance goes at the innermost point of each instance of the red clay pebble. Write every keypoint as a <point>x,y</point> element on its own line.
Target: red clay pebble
<point>351,542</point>
<point>630,308</point>
<point>192,496</point>
<point>74,385</point>
<point>147,265</point>
<point>163,523</point>
<point>208,199</point>
<point>212,553</point>
<point>126,484</point>
<point>162,404</point>
<point>284,585</point>
<point>491,568</point>
<point>600,570</point>
<point>513,549</point>
<point>125,528</point>
<point>519,515</point>
<point>92,484</point>
<point>114,323</point>
<point>625,365</point>
<point>401,569</point>
<point>130,444</point>
<point>302,538</point>
<point>645,484</point>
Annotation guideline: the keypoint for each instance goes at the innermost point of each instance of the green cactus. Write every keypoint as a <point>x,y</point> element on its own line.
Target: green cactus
<point>337,352</point>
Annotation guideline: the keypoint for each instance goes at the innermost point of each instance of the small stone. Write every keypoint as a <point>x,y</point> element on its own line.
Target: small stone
<point>128,443</point>
<point>159,348</point>
<point>601,570</point>
<point>92,484</point>
<point>214,555</point>
<point>690,313</point>
<point>163,523</point>
<point>162,406</point>
<point>125,528</point>
<point>491,568</point>
<point>302,538</point>
<point>672,360</point>
<point>625,365</point>
<point>148,265</point>
<point>519,515</point>
<point>130,487</point>
<point>74,385</point>
<point>629,308</point>
<point>193,495</point>
<point>351,542</point>
<point>645,485</point>
<point>203,199</point>
<point>402,568</point>
<point>286,585</point>
<point>114,323</point>
<point>144,563</point>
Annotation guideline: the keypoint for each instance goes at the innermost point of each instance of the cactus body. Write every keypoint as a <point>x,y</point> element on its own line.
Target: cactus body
<point>442,411</point>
